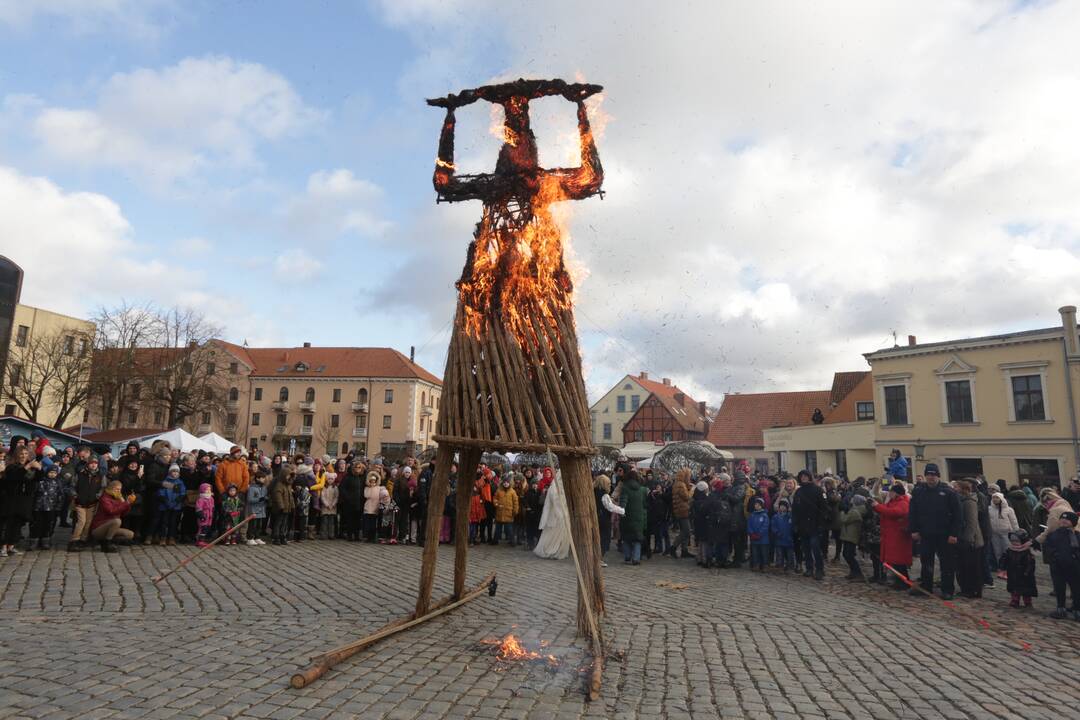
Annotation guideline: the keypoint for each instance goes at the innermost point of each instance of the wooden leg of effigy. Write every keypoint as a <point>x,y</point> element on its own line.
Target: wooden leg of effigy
<point>440,484</point>
<point>466,477</point>
<point>581,503</point>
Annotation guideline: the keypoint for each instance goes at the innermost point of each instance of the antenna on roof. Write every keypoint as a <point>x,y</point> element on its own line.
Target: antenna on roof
<point>894,343</point>
<point>245,342</point>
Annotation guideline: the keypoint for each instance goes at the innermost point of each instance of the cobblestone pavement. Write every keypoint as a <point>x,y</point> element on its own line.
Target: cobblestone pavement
<point>88,635</point>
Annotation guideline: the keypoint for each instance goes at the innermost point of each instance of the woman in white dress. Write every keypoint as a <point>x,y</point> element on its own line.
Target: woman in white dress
<point>554,524</point>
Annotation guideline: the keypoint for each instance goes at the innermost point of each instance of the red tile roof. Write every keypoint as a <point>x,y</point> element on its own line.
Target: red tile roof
<point>687,414</point>
<point>329,362</point>
<point>741,420</point>
<point>846,410</point>
<point>842,384</point>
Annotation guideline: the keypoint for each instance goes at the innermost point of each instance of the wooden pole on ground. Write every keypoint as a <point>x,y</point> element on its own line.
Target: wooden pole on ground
<point>183,563</point>
<point>470,458</point>
<point>444,458</point>
<point>321,664</point>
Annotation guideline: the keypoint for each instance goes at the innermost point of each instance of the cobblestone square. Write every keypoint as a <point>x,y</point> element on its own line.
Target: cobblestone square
<point>88,635</point>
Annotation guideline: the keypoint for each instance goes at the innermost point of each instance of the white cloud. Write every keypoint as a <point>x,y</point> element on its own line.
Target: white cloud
<point>336,202</point>
<point>180,120</point>
<point>193,246</point>
<point>777,206</point>
<point>140,19</point>
<point>296,265</point>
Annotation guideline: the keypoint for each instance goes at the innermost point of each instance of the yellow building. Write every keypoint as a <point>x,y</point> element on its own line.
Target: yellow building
<point>611,412</point>
<point>47,353</point>
<point>1002,406</point>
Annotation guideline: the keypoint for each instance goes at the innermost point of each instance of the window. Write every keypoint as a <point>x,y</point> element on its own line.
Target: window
<point>281,420</point>
<point>22,335</point>
<point>206,418</point>
<point>133,417</point>
<point>234,394</point>
<point>136,391</point>
<point>309,395</point>
<point>959,468</point>
<point>230,419</point>
<point>337,394</point>
<point>335,421</point>
<point>234,368</point>
<point>386,420</point>
<point>639,435</point>
<point>331,448</point>
<point>69,345</point>
<point>627,386</point>
<point>958,401</point>
<point>389,396</point>
<point>841,463</point>
<point>258,393</point>
<point>635,402</point>
<point>308,420</point>
<point>208,394</point>
<point>1040,473</point>
<point>811,460</point>
<point>864,411</point>
<point>15,373</point>
<point>210,369</point>
<point>159,418</point>
<point>896,405</point>
<point>620,403</point>
<point>283,394</point>
<point>1028,398</point>
<point>607,431</point>
<point>361,422</point>
<point>10,410</point>
<point>761,466</point>
<point>84,346</point>
<point>361,395</point>
<point>423,399</point>
<point>667,437</point>
<point>255,418</point>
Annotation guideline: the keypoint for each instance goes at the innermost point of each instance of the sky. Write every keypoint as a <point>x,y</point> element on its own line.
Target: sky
<point>787,184</point>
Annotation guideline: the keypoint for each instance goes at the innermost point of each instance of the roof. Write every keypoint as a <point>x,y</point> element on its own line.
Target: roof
<point>1040,334</point>
<point>329,362</point>
<point>687,414</point>
<point>49,432</point>
<point>843,383</point>
<point>742,419</point>
<point>120,434</point>
<point>846,409</point>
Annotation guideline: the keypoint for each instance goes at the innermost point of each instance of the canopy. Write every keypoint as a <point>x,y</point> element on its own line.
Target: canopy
<point>179,439</point>
<point>694,454</point>
<point>219,444</point>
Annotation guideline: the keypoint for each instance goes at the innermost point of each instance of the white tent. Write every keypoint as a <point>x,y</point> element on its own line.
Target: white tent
<point>220,445</point>
<point>180,439</point>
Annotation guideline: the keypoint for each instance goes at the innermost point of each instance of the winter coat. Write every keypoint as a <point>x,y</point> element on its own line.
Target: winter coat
<point>49,496</point>
<point>970,533</point>
<point>477,514</point>
<point>534,506</point>
<point>506,505</point>
<point>154,473</point>
<point>736,497</point>
<point>832,499</point>
<point>233,507</point>
<point>718,518</point>
<point>898,468</point>
<point>301,498</point>
<point>1002,518</point>
<point>109,508</point>
<point>256,500</point>
<point>809,510</point>
<point>1053,518</point>
<point>870,538</point>
<point>895,536</point>
<point>935,511</point>
<point>232,472</point>
<point>851,521</point>
<point>351,493</point>
<point>680,499</point>
<point>1032,499</point>
<point>757,527</point>
<point>1021,508</point>
<point>132,484</point>
<point>172,498</point>
<point>1061,549</point>
<point>204,511</point>
<point>632,499</point>
<point>374,497</point>
<point>699,514</point>
<point>1019,564</point>
<point>328,500</point>
<point>656,509</point>
<point>782,531</point>
<point>17,488</point>
<point>281,497</point>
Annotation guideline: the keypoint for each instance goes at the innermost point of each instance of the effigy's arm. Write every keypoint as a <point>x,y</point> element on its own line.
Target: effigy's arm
<point>448,184</point>
<point>584,181</point>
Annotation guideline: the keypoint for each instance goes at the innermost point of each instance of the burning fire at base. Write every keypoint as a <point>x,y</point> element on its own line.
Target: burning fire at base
<point>510,650</point>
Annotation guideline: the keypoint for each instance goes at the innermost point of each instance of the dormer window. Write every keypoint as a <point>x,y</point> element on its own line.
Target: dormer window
<point>301,367</point>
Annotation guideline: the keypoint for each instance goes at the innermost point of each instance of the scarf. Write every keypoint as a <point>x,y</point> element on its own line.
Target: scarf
<point>1020,548</point>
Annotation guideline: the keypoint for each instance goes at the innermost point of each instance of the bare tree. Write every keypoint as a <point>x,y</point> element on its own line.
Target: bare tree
<point>30,370</point>
<point>69,388</point>
<point>327,433</point>
<point>121,331</point>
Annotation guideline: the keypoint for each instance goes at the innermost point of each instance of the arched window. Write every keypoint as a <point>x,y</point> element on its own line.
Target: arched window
<point>283,394</point>
<point>309,395</point>
<point>234,393</point>
<point>423,399</point>
<point>361,395</point>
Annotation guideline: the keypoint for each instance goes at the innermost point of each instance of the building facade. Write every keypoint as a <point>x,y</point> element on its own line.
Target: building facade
<point>610,414</point>
<point>1002,406</point>
<point>668,417</point>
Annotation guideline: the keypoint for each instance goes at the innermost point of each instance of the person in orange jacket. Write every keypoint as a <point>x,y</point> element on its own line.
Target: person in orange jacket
<point>477,512</point>
<point>232,470</point>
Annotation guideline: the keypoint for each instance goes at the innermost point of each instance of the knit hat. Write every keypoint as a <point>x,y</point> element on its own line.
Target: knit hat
<point>174,468</point>
<point>783,503</point>
<point>931,469</point>
<point>757,502</point>
<point>1070,516</point>
<point>406,471</point>
<point>48,451</point>
<point>702,486</point>
<point>265,461</point>
<point>326,459</point>
<point>899,489</point>
<point>304,470</point>
<point>725,477</point>
<point>718,484</point>
<point>858,500</point>
<point>52,469</point>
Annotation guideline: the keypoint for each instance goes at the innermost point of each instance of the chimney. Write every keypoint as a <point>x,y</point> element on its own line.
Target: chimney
<point>911,340</point>
<point>701,407</point>
<point>667,381</point>
<point>412,353</point>
<point>643,375</point>
<point>307,344</point>
<point>1068,324</point>
<point>680,398</point>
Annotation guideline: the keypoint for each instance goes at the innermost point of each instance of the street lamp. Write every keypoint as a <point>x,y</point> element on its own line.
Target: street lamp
<point>920,450</point>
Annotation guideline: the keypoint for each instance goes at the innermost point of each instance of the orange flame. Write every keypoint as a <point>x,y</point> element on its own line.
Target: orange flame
<point>510,649</point>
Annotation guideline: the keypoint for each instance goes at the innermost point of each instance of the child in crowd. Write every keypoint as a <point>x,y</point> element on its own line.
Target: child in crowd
<point>506,507</point>
<point>232,505</point>
<point>256,505</point>
<point>757,527</point>
<point>783,535</point>
<point>477,512</point>
<point>328,507</point>
<point>204,512</point>
<point>170,502</point>
<point>48,497</point>
<point>374,496</point>
<point>1018,560</point>
<point>305,477</point>
<point>282,505</point>
<point>416,511</point>
<point>1061,551</point>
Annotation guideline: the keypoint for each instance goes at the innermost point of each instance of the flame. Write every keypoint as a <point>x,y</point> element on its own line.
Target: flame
<point>510,649</point>
<point>439,162</point>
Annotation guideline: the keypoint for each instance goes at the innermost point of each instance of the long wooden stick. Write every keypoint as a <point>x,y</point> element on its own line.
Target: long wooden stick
<point>158,578</point>
<point>321,664</point>
<point>597,646</point>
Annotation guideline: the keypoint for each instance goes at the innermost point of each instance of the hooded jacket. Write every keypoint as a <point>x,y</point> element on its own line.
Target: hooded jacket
<point>680,496</point>
<point>281,496</point>
<point>781,528</point>
<point>809,509</point>
<point>1021,508</point>
<point>232,472</point>
<point>109,508</point>
<point>506,505</point>
<point>757,527</point>
<point>632,499</point>
<point>1002,517</point>
<point>895,537</point>
<point>256,500</point>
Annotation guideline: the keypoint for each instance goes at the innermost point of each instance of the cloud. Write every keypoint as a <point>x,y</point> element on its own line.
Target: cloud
<point>296,265</point>
<point>144,20</point>
<point>176,122</point>
<point>337,202</point>
<point>777,207</point>
<point>193,246</point>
